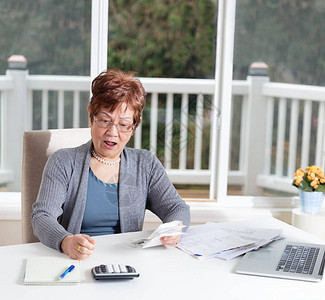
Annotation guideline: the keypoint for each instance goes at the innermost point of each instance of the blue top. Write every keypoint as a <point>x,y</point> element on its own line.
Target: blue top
<point>101,214</point>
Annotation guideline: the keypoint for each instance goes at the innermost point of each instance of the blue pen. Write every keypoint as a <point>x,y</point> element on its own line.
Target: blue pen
<point>70,269</point>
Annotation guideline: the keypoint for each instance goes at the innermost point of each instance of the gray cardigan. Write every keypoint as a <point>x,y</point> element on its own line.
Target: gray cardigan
<point>61,200</point>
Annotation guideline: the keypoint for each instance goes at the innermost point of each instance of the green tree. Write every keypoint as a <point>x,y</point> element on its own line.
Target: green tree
<point>289,35</point>
<point>163,38</point>
<point>54,35</point>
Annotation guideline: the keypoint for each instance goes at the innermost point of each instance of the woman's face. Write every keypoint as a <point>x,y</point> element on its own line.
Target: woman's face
<point>109,142</point>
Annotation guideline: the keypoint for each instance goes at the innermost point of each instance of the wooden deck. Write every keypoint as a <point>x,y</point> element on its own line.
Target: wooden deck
<point>202,195</point>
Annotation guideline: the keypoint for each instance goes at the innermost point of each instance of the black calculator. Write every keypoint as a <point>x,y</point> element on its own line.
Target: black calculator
<point>114,271</point>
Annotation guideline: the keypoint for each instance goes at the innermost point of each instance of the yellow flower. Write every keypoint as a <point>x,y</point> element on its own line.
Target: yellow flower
<point>313,183</point>
<point>300,172</point>
<point>312,176</point>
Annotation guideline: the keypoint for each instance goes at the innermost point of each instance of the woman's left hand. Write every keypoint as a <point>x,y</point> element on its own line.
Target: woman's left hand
<point>171,241</point>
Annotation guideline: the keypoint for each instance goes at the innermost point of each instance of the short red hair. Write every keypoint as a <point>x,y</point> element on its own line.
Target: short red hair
<point>111,88</point>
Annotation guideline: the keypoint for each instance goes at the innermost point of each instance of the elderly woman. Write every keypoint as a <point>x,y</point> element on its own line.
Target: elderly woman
<point>103,187</point>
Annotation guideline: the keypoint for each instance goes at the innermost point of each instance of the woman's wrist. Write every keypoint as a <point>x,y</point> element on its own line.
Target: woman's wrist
<point>65,244</point>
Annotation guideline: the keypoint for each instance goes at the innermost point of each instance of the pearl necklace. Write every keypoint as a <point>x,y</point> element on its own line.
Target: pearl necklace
<point>105,161</point>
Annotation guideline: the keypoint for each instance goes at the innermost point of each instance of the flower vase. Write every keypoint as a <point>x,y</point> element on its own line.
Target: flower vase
<point>311,202</point>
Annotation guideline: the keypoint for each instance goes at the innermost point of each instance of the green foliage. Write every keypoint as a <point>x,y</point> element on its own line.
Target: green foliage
<point>305,186</point>
<point>321,188</point>
<point>163,38</point>
<point>54,35</point>
<point>167,38</point>
<point>288,35</point>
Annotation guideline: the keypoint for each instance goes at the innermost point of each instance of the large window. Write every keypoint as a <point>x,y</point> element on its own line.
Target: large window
<point>169,39</point>
<point>276,119</point>
<point>287,131</point>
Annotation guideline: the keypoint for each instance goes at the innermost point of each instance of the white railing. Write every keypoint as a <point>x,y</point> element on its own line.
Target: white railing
<point>302,146</point>
<point>6,85</point>
<point>177,125</point>
<point>60,85</point>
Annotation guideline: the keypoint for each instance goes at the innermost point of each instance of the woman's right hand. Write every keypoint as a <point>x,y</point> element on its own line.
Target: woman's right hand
<point>78,246</point>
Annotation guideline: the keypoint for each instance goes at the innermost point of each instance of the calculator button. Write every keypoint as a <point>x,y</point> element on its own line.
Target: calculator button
<point>130,269</point>
<point>123,269</point>
<point>102,268</point>
<point>116,269</point>
<point>110,269</point>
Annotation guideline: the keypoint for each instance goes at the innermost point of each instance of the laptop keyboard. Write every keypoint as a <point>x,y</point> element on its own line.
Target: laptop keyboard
<point>298,259</point>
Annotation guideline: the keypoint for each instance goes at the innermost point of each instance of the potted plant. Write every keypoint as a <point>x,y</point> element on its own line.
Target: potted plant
<point>311,185</point>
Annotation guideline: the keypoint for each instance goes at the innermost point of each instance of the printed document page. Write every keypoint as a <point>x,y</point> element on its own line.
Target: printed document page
<point>225,240</point>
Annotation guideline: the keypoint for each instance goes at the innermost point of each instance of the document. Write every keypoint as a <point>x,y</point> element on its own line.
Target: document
<point>167,229</point>
<point>225,240</point>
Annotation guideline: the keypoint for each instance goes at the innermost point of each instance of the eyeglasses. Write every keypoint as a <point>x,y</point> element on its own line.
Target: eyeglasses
<point>122,127</point>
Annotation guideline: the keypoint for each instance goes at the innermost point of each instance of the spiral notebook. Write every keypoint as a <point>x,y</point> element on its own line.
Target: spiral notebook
<point>46,271</point>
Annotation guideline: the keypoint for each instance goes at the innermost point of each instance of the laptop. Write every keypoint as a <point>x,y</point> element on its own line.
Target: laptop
<point>285,259</point>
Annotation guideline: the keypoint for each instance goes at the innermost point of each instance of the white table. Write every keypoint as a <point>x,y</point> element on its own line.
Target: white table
<point>165,273</point>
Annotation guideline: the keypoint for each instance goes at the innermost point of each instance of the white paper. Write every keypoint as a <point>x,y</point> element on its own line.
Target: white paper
<point>46,270</point>
<point>211,242</point>
<point>229,254</point>
<point>225,240</point>
<point>167,229</point>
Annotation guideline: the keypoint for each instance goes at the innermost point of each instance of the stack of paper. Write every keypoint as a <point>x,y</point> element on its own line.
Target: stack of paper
<point>167,229</point>
<point>225,240</point>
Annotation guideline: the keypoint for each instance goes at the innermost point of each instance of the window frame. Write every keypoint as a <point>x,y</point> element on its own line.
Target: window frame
<point>99,37</point>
